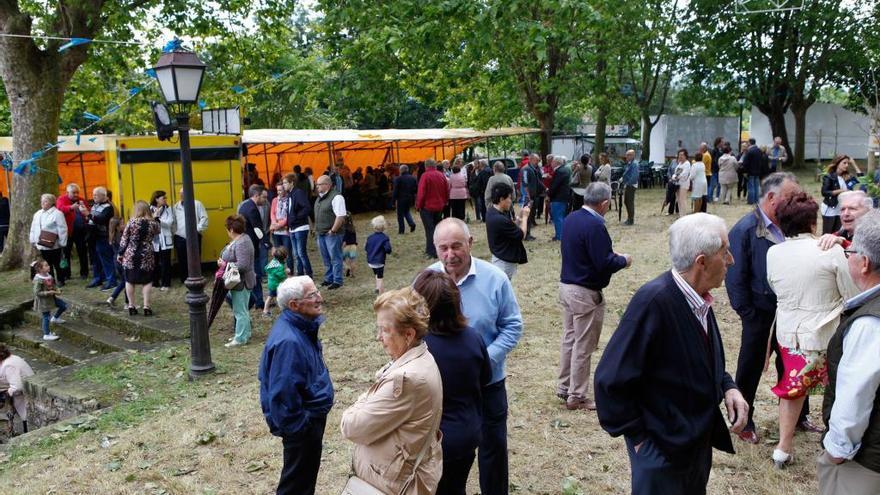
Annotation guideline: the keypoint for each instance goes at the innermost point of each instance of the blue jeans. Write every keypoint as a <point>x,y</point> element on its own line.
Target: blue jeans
<point>300,241</point>
<point>754,186</point>
<point>61,305</point>
<point>242,317</point>
<point>330,246</point>
<point>259,263</point>
<point>492,453</point>
<point>403,213</point>
<point>557,213</point>
<point>713,187</point>
<point>284,240</point>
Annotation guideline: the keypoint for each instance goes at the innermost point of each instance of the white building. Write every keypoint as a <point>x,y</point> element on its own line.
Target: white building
<point>685,131</point>
<point>831,129</point>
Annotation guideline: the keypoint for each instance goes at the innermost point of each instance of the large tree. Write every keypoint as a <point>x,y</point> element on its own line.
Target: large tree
<point>778,61</point>
<point>36,75</point>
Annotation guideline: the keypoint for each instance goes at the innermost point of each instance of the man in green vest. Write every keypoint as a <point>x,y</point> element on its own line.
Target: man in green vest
<point>329,218</point>
<point>850,463</point>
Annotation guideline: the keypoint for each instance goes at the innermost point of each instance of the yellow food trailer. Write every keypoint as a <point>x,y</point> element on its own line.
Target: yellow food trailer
<point>132,167</point>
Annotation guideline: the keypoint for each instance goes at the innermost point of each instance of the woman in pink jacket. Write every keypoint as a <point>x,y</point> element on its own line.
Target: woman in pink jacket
<point>458,191</point>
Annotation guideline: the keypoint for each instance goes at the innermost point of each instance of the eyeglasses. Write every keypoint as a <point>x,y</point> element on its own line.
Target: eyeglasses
<point>311,295</point>
<point>849,252</point>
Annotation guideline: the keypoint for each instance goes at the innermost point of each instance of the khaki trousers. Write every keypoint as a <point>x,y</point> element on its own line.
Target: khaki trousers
<point>583,311</point>
<point>848,478</point>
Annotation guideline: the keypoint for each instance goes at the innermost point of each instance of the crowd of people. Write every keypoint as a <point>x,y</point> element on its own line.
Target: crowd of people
<point>440,404</point>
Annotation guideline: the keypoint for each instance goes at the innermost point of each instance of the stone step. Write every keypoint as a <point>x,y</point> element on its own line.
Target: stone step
<point>146,328</point>
<point>91,335</point>
<point>38,364</point>
<point>63,351</point>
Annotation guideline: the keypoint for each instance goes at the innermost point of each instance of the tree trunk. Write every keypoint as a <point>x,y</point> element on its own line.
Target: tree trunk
<point>647,127</point>
<point>800,135</point>
<point>35,88</point>
<point>547,121</point>
<point>601,121</point>
<point>778,128</point>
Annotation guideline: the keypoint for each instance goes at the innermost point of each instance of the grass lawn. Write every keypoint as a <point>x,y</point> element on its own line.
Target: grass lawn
<point>169,435</point>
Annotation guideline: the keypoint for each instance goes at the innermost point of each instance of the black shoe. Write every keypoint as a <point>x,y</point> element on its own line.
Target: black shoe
<point>400,232</point>
<point>628,222</point>
<point>530,238</point>
<point>107,287</point>
<point>148,312</point>
<point>333,286</point>
<point>93,284</point>
<point>325,283</point>
<point>347,272</point>
<point>132,311</point>
<point>412,228</point>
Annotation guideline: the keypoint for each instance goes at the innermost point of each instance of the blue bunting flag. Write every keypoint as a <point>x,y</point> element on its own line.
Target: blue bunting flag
<point>78,136</point>
<point>202,104</point>
<point>113,108</point>
<point>151,73</point>
<point>72,43</point>
<point>91,116</point>
<point>172,46</point>
<point>134,91</point>
<point>238,89</point>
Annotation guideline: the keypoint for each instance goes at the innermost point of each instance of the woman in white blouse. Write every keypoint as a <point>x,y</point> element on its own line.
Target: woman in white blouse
<point>682,177</point>
<point>811,286</point>
<point>47,223</point>
<point>164,242</point>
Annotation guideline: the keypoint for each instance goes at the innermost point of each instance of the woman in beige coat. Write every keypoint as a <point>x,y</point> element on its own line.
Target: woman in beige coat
<point>400,415</point>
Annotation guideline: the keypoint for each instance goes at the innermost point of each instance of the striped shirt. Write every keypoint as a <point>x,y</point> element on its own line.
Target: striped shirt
<point>699,304</point>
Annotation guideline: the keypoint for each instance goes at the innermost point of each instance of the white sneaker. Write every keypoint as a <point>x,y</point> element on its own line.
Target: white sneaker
<point>51,336</point>
<point>781,459</point>
<point>163,289</point>
<point>234,343</point>
<point>110,301</point>
<point>58,321</point>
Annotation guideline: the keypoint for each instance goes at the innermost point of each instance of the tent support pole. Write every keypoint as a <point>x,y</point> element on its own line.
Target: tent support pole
<point>266,160</point>
<point>82,172</point>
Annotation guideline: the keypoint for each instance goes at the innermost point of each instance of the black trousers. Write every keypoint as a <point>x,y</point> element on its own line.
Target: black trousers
<point>430,220</point>
<point>162,273</point>
<point>741,184</point>
<point>652,473</point>
<point>403,206</point>
<point>671,196</point>
<point>629,200</point>
<point>750,364</point>
<point>53,257</point>
<point>302,459</point>
<point>455,475</point>
<point>180,251</point>
<point>457,207</point>
<point>4,231</point>
<point>493,445</point>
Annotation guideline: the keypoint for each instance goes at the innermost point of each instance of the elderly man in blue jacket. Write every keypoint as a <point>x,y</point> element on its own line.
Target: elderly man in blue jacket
<point>662,376</point>
<point>296,393</point>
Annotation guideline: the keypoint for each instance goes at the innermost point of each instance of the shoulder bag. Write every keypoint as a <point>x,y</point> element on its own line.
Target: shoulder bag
<point>357,486</point>
<point>47,238</point>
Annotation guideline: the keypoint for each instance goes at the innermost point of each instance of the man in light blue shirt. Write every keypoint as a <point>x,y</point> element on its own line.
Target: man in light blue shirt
<point>490,306</point>
<point>851,461</point>
<point>630,181</point>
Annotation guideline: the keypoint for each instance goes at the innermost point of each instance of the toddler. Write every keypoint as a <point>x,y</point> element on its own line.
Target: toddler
<point>349,246</point>
<point>378,246</point>
<point>276,273</point>
<point>46,298</point>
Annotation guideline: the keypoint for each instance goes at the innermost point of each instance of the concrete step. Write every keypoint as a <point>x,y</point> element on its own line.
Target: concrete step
<point>38,364</point>
<point>145,328</point>
<point>63,351</point>
<point>80,328</point>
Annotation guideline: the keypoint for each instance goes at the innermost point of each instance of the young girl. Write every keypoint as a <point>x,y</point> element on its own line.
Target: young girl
<point>276,274</point>
<point>349,246</point>
<point>45,298</point>
<point>378,246</point>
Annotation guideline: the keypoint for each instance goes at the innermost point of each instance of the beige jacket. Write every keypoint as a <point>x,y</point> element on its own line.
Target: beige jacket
<point>811,286</point>
<point>392,421</point>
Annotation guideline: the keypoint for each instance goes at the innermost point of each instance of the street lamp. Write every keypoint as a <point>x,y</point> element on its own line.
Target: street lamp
<point>742,102</point>
<point>180,74</point>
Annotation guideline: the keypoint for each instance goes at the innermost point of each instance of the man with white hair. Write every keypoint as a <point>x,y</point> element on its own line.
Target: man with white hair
<point>103,266</point>
<point>70,205</point>
<point>491,309</point>
<point>662,375</point>
<point>850,463</point>
<point>630,181</point>
<point>853,205</point>
<point>296,392</point>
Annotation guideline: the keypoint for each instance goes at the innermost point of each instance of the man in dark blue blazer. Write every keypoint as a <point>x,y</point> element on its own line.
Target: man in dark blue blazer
<point>751,296</point>
<point>250,210</point>
<point>662,376</point>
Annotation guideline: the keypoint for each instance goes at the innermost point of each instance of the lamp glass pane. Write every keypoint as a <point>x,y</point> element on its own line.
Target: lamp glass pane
<point>188,82</point>
<point>166,83</point>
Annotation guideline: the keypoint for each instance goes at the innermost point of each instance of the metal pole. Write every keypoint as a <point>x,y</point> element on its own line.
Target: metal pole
<point>739,137</point>
<point>200,344</point>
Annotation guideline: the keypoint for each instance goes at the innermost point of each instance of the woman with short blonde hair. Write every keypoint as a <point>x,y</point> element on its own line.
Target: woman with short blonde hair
<point>395,424</point>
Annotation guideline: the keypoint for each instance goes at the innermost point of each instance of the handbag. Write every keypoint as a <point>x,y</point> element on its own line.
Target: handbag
<point>231,277</point>
<point>47,239</point>
<point>357,486</point>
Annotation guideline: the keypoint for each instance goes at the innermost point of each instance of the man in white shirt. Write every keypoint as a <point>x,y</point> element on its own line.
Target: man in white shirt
<point>850,463</point>
<point>180,232</point>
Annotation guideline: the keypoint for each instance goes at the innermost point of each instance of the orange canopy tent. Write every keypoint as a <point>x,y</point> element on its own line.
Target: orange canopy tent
<point>276,151</point>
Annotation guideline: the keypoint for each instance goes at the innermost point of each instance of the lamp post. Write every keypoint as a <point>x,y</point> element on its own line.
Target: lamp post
<point>180,74</point>
<point>742,102</point>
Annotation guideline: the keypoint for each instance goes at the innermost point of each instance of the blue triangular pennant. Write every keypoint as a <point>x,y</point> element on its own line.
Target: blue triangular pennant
<point>237,89</point>
<point>134,91</point>
<point>72,43</point>
<point>78,136</point>
<point>92,139</point>
<point>91,116</point>
<point>202,104</point>
<point>150,72</point>
<point>172,46</point>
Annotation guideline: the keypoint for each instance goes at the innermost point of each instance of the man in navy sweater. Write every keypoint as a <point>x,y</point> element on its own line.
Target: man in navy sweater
<point>296,393</point>
<point>588,261</point>
<point>662,375</point>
